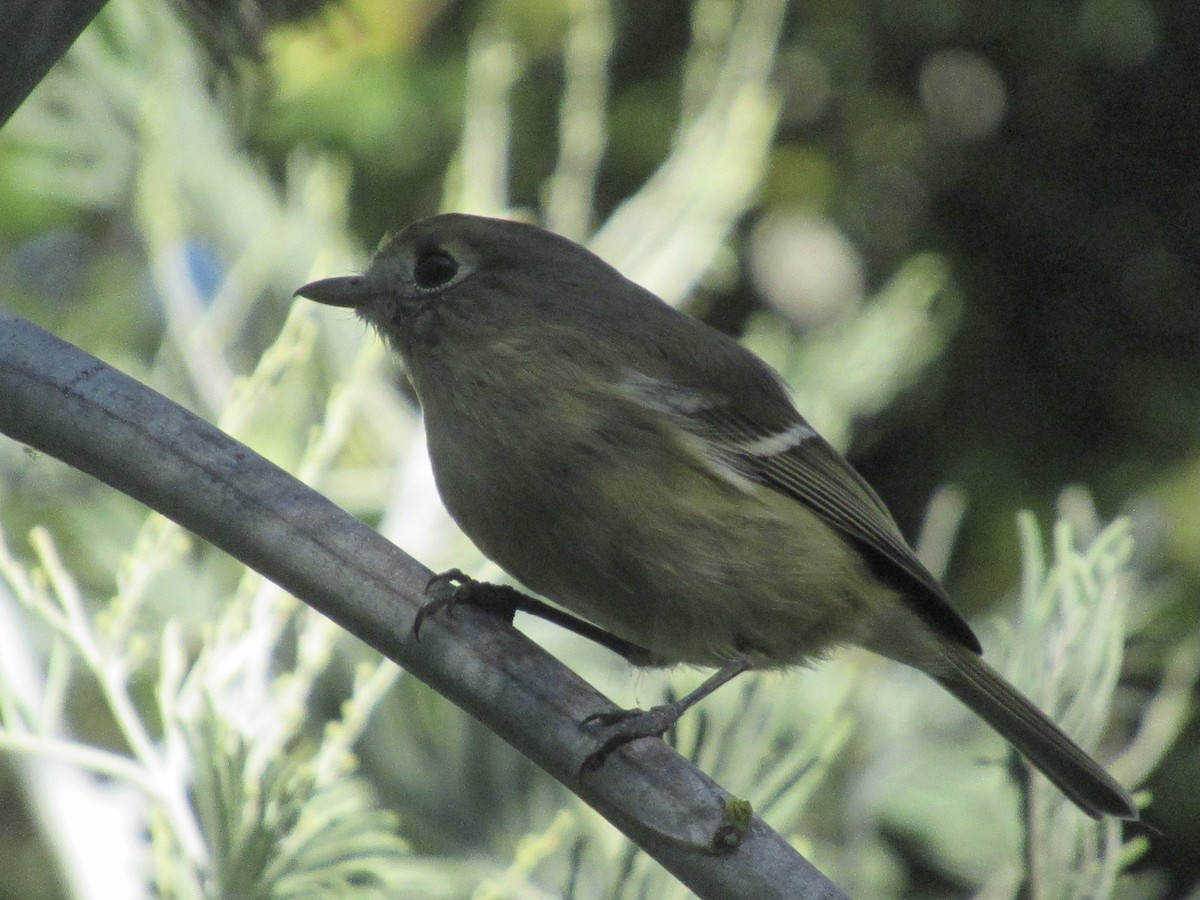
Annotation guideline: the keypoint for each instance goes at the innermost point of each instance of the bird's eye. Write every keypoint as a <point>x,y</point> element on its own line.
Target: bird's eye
<point>434,268</point>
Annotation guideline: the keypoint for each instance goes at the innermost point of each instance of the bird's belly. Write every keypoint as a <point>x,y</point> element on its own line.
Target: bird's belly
<point>750,589</point>
<point>693,578</point>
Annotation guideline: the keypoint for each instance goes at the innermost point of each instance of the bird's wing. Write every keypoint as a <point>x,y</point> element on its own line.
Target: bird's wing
<point>781,451</point>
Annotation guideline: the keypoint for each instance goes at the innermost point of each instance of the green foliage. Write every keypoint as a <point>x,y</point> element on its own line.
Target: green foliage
<point>266,756</point>
<point>284,835</point>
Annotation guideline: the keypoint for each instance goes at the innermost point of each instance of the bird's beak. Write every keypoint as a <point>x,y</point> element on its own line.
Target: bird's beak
<point>347,290</point>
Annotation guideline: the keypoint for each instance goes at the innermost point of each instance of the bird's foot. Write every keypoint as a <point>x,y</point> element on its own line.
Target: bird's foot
<point>626,725</point>
<point>447,589</point>
<point>630,724</point>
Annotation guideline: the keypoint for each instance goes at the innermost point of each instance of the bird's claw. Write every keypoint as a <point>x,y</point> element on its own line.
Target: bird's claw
<point>447,589</point>
<point>443,590</point>
<point>628,725</point>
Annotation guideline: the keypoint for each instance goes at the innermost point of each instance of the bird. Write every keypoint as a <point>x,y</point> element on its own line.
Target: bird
<point>650,475</point>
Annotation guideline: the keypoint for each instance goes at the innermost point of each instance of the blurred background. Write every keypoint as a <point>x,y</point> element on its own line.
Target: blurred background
<point>965,232</point>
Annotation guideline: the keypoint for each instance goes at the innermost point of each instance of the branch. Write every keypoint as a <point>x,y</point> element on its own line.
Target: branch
<point>58,399</point>
<point>36,34</point>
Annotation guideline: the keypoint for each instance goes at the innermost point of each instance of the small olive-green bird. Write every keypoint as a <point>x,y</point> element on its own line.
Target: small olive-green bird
<point>651,475</point>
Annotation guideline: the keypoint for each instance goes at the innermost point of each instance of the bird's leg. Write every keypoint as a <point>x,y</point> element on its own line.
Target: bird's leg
<point>630,724</point>
<point>453,586</point>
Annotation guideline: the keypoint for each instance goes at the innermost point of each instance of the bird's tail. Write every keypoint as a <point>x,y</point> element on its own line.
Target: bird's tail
<point>1039,740</point>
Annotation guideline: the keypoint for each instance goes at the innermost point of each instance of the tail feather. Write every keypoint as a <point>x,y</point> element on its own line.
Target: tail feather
<point>1038,739</point>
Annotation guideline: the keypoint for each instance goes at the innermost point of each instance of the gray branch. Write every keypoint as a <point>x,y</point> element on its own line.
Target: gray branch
<point>36,33</point>
<point>63,402</point>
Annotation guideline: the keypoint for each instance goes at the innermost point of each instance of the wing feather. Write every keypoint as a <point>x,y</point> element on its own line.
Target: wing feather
<point>790,457</point>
